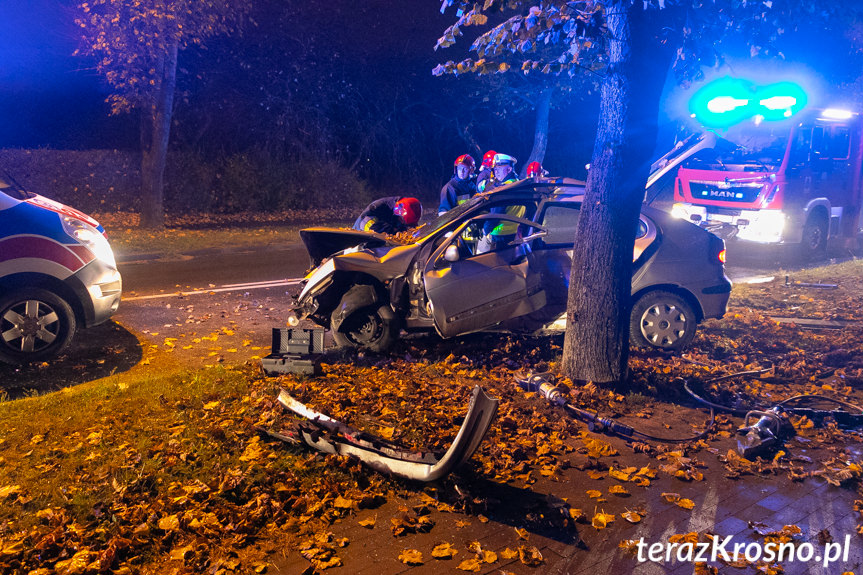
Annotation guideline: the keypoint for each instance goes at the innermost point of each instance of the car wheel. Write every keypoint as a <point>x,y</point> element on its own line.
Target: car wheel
<point>35,325</point>
<point>366,328</point>
<point>813,243</point>
<point>662,320</point>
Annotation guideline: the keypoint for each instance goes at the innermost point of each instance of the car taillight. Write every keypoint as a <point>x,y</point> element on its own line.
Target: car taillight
<point>722,256</point>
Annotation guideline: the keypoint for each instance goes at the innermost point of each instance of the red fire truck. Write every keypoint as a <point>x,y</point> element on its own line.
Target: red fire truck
<point>797,181</point>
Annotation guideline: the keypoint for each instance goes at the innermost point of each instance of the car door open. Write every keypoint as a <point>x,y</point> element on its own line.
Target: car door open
<point>469,291</point>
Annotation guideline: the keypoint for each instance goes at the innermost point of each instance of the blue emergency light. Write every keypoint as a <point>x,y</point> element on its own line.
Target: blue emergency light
<point>728,101</point>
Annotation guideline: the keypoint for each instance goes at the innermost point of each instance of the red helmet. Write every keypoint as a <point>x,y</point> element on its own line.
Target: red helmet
<point>488,159</point>
<point>466,160</point>
<point>534,169</point>
<point>410,210</point>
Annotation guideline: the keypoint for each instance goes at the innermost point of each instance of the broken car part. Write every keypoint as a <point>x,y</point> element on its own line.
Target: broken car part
<point>539,383</point>
<point>767,434</point>
<point>330,436</point>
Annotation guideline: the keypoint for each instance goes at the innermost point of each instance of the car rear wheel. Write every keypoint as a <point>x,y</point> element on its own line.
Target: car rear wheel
<point>662,320</point>
<point>367,328</point>
<point>35,325</point>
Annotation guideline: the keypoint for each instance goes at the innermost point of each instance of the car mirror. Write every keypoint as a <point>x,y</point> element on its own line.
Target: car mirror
<point>451,253</point>
<point>528,239</point>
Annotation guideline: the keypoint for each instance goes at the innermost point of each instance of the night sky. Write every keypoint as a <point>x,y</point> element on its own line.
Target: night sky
<point>49,97</point>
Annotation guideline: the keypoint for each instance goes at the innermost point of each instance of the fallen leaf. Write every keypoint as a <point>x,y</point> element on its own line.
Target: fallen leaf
<point>444,551</point>
<point>411,557</point>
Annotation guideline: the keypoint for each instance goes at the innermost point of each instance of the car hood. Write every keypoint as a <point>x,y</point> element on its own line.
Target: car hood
<point>324,242</point>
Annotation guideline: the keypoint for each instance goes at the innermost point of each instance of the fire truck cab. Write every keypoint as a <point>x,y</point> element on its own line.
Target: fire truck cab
<point>797,181</point>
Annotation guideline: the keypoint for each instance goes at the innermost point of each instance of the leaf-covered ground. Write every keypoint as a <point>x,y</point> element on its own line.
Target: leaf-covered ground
<point>169,475</point>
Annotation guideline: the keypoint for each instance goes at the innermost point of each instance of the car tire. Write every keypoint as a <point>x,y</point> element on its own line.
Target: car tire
<point>367,328</point>
<point>813,242</point>
<point>662,320</point>
<point>35,325</point>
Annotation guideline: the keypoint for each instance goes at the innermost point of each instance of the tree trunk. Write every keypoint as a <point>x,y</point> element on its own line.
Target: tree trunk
<point>596,345</point>
<point>540,131</point>
<point>155,133</point>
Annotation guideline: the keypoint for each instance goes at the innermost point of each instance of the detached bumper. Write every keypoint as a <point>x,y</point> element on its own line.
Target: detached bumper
<point>331,436</point>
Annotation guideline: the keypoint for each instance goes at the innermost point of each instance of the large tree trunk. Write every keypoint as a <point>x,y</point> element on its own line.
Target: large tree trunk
<point>540,131</point>
<point>596,345</point>
<point>155,132</point>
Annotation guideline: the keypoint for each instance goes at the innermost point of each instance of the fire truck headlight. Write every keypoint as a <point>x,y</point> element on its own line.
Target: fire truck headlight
<point>764,226</point>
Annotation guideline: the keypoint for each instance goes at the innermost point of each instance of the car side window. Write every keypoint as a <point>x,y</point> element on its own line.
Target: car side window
<point>561,221</point>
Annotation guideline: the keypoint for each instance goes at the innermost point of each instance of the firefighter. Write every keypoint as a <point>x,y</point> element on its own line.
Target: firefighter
<point>390,215</point>
<point>485,173</point>
<point>535,170</point>
<point>462,185</point>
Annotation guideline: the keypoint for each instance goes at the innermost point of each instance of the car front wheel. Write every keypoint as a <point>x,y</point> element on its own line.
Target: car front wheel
<point>35,325</point>
<point>367,328</point>
<point>662,320</point>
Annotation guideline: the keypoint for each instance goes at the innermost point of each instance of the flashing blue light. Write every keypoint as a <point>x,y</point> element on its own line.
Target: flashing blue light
<point>728,101</point>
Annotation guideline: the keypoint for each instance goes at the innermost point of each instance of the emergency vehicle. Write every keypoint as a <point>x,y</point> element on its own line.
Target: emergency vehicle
<point>57,272</point>
<point>796,181</point>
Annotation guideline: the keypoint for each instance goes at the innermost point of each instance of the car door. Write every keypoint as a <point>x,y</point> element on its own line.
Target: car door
<point>481,289</point>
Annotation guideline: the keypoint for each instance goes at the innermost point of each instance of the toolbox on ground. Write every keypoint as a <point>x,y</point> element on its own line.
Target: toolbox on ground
<point>296,351</point>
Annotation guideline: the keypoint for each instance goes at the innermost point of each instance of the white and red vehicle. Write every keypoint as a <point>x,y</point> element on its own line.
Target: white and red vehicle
<point>792,182</point>
<point>57,272</point>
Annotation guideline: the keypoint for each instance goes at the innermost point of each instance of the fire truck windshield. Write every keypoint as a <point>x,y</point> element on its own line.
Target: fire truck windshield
<point>747,147</point>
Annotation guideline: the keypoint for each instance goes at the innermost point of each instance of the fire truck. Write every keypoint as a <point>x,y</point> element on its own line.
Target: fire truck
<point>795,181</point>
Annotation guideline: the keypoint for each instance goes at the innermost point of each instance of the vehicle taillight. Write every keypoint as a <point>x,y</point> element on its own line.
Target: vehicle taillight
<point>722,256</point>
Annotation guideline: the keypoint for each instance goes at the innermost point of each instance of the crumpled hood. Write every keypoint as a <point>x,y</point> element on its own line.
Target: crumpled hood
<point>324,242</point>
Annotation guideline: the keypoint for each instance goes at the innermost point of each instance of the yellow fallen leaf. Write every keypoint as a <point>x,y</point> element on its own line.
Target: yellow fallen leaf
<point>470,565</point>
<point>369,522</point>
<point>685,503</point>
<point>9,490</point>
<point>576,514</point>
<point>631,516</point>
<point>508,553</point>
<point>444,551</point>
<point>342,503</point>
<point>522,533</point>
<point>489,556</point>
<point>169,523</point>
<point>670,497</point>
<point>593,493</point>
<point>618,490</point>
<point>387,432</point>
<point>411,557</point>
<point>530,556</point>
<point>601,520</point>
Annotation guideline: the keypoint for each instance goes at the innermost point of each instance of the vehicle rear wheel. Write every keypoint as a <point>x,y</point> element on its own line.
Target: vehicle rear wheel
<point>35,325</point>
<point>813,244</point>
<point>662,320</point>
<point>367,328</point>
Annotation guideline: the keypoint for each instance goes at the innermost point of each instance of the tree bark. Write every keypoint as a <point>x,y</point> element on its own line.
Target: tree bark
<point>596,344</point>
<point>540,131</point>
<point>156,131</point>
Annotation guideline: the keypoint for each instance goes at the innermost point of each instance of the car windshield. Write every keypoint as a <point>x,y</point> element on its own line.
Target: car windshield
<point>11,188</point>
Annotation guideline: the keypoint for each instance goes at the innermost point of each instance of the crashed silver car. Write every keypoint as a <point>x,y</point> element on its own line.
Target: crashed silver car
<point>502,261</point>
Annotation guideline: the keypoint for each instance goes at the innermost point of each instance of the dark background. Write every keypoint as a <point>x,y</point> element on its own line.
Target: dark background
<point>343,84</point>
